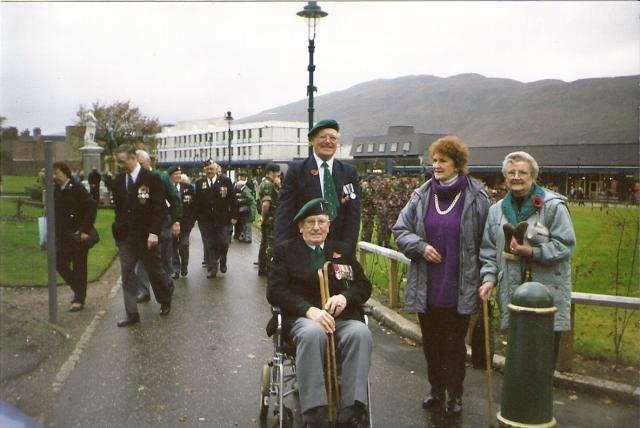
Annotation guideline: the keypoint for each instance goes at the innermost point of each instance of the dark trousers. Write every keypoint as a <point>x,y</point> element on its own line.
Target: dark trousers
<point>216,241</point>
<point>71,264</point>
<point>266,247</point>
<point>130,253</point>
<point>181,250</point>
<point>166,252</point>
<point>443,333</point>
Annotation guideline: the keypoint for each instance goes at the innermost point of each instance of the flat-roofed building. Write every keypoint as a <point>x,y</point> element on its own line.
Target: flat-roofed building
<point>253,144</point>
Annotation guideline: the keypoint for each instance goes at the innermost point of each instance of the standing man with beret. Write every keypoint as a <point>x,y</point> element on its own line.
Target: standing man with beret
<point>321,176</point>
<point>217,210</point>
<point>269,190</point>
<point>181,242</point>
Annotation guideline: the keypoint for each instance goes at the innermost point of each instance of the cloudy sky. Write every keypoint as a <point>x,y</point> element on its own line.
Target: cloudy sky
<point>180,61</point>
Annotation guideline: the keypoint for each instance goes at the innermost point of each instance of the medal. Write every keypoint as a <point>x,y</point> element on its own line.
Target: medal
<point>348,189</point>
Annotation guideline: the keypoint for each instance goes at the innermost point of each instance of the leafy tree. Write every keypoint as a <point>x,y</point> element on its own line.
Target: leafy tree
<point>119,123</point>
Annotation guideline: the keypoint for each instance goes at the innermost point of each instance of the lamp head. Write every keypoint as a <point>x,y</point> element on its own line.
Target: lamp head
<point>312,13</point>
<point>228,117</point>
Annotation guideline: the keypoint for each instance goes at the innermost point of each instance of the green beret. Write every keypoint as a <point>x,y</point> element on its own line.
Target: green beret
<point>326,123</point>
<point>272,167</point>
<point>313,207</point>
<point>173,169</point>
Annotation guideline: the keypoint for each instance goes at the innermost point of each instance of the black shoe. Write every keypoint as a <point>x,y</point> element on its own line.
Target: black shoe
<point>204,264</point>
<point>353,417</point>
<point>223,267</point>
<point>212,274</point>
<point>256,263</point>
<point>129,320</point>
<point>454,405</point>
<point>142,298</point>
<point>76,307</point>
<point>316,417</point>
<point>433,399</point>
<point>184,272</point>
<point>165,309</point>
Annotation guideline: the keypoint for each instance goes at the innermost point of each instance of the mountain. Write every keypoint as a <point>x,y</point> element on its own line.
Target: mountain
<point>482,111</point>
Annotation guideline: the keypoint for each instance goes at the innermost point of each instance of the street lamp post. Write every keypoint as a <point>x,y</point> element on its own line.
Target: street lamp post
<point>312,13</point>
<point>229,118</point>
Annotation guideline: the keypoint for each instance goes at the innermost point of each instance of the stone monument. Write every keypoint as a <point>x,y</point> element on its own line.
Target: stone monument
<point>90,151</point>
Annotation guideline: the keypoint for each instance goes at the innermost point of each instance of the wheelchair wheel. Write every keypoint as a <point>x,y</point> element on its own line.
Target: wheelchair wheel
<point>287,419</point>
<point>265,389</point>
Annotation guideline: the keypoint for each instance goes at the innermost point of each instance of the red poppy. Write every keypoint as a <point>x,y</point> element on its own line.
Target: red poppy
<point>538,202</point>
<point>314,172</point>
<point>336,255</point>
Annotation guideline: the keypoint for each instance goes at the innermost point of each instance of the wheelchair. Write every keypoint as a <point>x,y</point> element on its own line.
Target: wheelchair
<point>278,380</point>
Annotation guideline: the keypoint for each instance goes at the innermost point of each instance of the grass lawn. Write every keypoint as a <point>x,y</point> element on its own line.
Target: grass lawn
<point>597,269</point>
<point>22,262</point>
<point>14,184</point>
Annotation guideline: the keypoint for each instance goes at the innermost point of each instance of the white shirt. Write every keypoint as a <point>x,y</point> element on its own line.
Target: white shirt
<point>321,171</point>
<point>134,174</point>
<point>212,181</point>
<point>313,247</point>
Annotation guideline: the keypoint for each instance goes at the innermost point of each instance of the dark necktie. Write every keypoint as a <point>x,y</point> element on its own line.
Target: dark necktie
<point>317,257</point>
<point>129,183</point>
<point>330,193</point>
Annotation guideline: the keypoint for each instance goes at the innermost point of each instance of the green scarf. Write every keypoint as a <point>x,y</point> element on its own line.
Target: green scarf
<point>510,210</point>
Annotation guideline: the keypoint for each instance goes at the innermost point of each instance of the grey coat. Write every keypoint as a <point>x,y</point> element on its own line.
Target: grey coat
<point>410,235</point>
<point>550,262</point>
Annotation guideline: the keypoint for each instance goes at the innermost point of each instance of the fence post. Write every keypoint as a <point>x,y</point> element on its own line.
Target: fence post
<point>394,290</point>
<point>565,354</point>
<point>362,257</point>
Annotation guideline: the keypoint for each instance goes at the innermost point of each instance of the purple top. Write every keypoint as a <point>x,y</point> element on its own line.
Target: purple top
<point>443,233</point>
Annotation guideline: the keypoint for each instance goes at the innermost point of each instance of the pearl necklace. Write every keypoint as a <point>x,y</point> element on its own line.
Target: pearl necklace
<point>448,210</point>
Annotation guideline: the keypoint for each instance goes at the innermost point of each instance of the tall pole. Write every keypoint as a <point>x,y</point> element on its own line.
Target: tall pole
<point>311,13</point>
<point>51,232</point>
<point>311,88</point>
<point>229,118</point>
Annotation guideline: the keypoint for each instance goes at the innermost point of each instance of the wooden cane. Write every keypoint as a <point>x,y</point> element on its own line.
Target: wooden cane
<point>332,339</point>
<point>489,362</point>
<point>328,378</point>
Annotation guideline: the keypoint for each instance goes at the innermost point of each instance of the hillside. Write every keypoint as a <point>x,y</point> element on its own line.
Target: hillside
<point>482,111</point>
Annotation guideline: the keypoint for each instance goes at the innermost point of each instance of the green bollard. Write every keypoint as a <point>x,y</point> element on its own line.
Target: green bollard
<point>527,388</point>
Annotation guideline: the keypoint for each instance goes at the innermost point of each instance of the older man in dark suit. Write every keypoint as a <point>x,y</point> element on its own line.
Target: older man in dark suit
<point>321,176</point>
<point>217,210</point>
<point>140,207</point>
<point>294,287</point>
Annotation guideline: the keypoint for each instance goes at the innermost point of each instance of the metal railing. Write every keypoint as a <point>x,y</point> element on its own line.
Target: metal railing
<point>565,356</point>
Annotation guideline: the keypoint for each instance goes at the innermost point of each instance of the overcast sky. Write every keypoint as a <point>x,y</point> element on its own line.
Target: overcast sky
<point>181,61</point>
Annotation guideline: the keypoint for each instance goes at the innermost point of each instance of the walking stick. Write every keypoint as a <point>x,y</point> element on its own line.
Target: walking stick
<point>332,339</point>
<point>331,374</point>
<point>489,362</point>
<point>328,380</point>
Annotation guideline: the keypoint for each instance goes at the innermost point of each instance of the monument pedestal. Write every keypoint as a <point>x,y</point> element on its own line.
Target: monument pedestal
<point>91,157</point>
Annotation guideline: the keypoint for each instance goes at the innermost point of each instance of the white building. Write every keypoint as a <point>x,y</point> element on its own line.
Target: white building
<point>189,143</point>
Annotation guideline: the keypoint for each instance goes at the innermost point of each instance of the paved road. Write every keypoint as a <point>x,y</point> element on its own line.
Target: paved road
<point>200,366</point>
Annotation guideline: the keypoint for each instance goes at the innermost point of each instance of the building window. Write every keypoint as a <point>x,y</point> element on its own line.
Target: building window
<point>406,146</point>
<point>259,150</point>
<point>359,148</point>
<point>382,147</point>
<point>224,153</point>
<point>370,148</point>
<point>298,150</point>
<point>244,150</point>
<point>394,147</point>
<point>217,153</point>
<point>249,151</point>
<point>298,136</point>
<point>244,134</point>
<point>249,134</point>
<point>260,133</point>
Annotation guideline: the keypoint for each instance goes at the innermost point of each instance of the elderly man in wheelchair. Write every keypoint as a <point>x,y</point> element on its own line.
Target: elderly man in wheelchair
<point>295,287</point>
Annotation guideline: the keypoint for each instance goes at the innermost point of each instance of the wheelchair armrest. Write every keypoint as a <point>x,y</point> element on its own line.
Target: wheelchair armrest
<point>277,313</point>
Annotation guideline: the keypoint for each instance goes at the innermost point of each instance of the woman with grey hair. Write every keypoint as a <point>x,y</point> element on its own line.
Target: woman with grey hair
<point>528,234</point>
